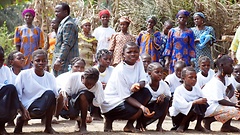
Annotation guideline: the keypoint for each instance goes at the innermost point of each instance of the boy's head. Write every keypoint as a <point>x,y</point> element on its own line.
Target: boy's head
<point>90,77</point>
<point>151,22</point>
<point>1,56</point>
<point>130,53</point>
<point>236,72</point>
<point>39,59</point>
<point>189,76</point>
<point>146,59</point>
<point>155,70</point>
<point>104,15</point>
<point>167,26</point>
<point>179,65</point>
<point>204,63</point>
<point>225,64</point>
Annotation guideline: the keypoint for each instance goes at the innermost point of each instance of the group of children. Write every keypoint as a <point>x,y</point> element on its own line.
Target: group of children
<point>128,91</point>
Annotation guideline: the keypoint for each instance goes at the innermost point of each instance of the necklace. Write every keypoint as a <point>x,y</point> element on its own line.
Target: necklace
<point>86,38</point>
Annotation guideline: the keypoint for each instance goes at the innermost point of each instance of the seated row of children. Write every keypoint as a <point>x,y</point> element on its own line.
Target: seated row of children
<point>130,94</point>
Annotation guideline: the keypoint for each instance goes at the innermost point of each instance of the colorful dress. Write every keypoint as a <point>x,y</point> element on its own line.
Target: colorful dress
<point>29,40</point>
<point>87,49</point>
<point>180,46</point>
<point>206,51</point>
<point>150,44</point>
<point>117,43</point>
<point>52,42</point>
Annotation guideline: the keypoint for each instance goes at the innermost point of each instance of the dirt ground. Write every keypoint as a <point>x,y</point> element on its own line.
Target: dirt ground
<point>96,128</point>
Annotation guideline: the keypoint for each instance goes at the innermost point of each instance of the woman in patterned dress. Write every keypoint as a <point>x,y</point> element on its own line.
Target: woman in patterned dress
<point>87,44</point>
<point>180,44</point>
<point>198,30</point>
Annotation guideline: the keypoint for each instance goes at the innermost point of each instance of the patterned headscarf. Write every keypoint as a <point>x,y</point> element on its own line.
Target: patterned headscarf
<point>199,14</point>
<point>125,19</point>
<point>182,12</point>
<point>85,21</point>
<point>31,11</point>
<point>102,12</point>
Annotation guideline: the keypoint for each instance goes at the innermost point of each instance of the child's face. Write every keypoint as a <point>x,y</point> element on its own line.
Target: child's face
<point>124,26</point>
<point>105,60</point>
<point>178,70</point>
<point>166,28</point>
<point>79,66</point>
<point>18,60</point>
<point>205,66</point>
<point>190,78</point>
<point>89,83</point>
<point>54,24</point>
<point>236,73</point>
<point>228,67</point>
<point>182,19</point>
<point>146,61</point>
<point>131,55</point>
<point>150,23</point>
<point>86,27</point>
<point>40,62</point>
<point>156,74</point>
<point>105,19</point>
<point>1,59</point>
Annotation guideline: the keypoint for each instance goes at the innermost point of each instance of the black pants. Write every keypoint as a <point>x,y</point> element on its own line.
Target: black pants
<point>39,107</point>
<point>9,103</point>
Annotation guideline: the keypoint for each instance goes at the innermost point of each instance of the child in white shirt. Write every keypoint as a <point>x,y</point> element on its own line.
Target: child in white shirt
<point>188,103</point>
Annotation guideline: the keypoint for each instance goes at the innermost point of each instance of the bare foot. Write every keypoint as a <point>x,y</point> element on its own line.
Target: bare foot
<point>108,125</point>
<point>131,129</point>
<point>229,129</point>
<point>207,122</point>
<point>83,131</point>
<point>160,129</point>
<point>202,129</point>
<point>180,129</point>
<point>50,131</point>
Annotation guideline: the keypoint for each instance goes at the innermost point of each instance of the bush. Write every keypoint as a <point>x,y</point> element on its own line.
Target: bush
<point>6,39</point>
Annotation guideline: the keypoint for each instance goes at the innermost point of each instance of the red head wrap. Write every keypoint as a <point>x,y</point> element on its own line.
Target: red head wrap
<point>105,11</point>
<point>31,11</point>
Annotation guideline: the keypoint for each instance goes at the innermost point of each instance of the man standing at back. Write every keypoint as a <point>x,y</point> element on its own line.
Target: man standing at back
<point>66,46</point>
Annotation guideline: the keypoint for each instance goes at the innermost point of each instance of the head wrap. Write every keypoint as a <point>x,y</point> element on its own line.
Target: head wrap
<point>154,18</point>
<point>85,21</point>
<point>199,14</point>
<point>182,12</point>
<point>31,11</point>
<point>125,19</point>
<point>102,12</point>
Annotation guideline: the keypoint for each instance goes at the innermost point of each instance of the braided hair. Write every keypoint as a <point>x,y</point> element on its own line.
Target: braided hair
<point>102,53</point>
<point>76,59</point>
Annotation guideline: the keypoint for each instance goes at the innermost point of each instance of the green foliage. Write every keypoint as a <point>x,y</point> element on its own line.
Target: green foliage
<point>6,39</point>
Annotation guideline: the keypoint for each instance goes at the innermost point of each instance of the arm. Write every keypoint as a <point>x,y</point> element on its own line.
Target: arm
<point>41,40</point>
<point>230,91</point>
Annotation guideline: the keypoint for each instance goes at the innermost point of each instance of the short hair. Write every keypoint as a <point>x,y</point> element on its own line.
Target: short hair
<point>185,69</point>
<point>91,73</point>
<point>39,51</point>
<point>102,52</point>
<point>168,22</point>
<point>146,55</point>
<point>132,44</point>
<point>203,58</point>
<point>152,17</point>
<point>181,63</point>
<point>76,59</point>
<point>65,6</point>
<point>10,58</point>
<point>152,66</point>
<point>221,59</point>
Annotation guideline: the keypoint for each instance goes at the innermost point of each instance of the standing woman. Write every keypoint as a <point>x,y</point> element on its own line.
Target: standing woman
<point>150,41</point>
<point>28,37</point>
<point>180,44</point>
<point>202,32</point>
<point>87,44</point>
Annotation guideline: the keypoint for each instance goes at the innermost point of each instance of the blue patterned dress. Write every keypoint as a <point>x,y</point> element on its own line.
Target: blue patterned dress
<point>206,50</point>
<point>180,46</point>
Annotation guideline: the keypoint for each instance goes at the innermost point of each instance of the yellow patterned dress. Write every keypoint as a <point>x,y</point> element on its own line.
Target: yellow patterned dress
<point>87,49</point>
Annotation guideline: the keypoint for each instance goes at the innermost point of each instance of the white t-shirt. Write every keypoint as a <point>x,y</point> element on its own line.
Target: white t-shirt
<point>104,77</point>
<point>14,76</point>
<point>183,99</point>
<point>162,89</point>
<point>5,76</point>
<point>74,85</point>
<point>173,81</point>
<point>62,79</point>
<point>31,86</point>
<point>103,36</point>
<point>120,82</point>
<point>202,80</point>
<point>214,91</point>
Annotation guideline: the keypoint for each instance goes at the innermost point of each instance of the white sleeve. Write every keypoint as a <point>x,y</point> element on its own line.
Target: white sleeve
<point>142,72</point>
<point>72,84</point>
<point>99,94</point>
<point>19,85</point>
<point>167,91</point>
